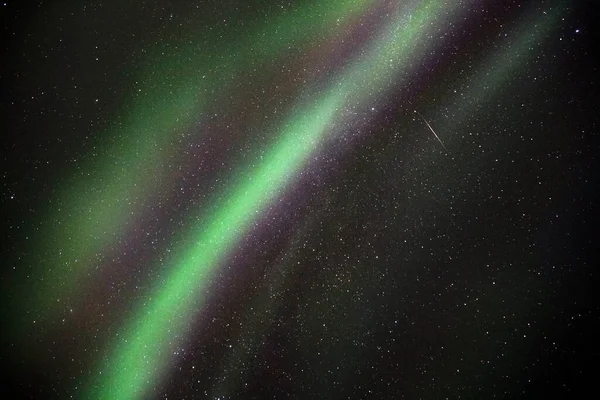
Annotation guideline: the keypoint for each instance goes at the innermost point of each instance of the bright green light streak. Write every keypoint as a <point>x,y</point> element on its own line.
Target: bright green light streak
<point>149,340</point>
<point>137,360</point>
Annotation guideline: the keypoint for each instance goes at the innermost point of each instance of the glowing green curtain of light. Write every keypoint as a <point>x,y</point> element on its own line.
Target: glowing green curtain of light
<point>146,342</point>
<point>141,353</point>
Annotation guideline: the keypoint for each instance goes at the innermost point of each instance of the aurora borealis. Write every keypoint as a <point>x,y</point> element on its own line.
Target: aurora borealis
<point>274,199</point>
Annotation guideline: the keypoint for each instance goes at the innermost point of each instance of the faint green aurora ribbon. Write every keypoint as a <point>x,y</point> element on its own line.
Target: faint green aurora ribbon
<point>98,205</point>
<point>144,349</point>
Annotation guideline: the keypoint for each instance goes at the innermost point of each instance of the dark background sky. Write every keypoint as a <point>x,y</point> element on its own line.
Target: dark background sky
<point>393,269</point>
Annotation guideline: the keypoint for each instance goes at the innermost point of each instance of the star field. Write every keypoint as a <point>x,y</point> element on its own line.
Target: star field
<point>316,199</point>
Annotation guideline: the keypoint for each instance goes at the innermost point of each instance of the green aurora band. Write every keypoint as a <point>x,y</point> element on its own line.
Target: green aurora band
<point>144,348</point>
<point>140,354</point>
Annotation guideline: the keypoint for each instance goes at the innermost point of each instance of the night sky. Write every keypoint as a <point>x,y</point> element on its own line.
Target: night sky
<point>341,199</point>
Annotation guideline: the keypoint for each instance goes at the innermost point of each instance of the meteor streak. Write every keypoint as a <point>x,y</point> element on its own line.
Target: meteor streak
<point>431,129</point>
